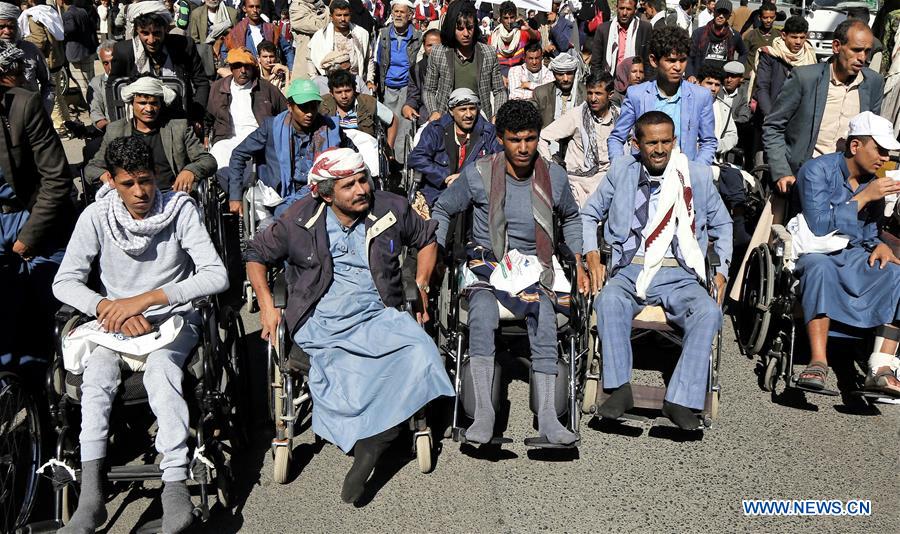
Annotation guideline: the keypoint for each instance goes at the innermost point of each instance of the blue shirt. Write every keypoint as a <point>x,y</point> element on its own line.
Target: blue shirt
<point>398,71</point>
<point>671,106</point>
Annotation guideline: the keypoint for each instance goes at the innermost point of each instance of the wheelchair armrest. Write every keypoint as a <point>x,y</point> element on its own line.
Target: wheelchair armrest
<point>65,313</point>
<point>713,257</point>
<point>604,247</point>
<point>781,234</point>
<point>564,253</point>
<point>279,291</point>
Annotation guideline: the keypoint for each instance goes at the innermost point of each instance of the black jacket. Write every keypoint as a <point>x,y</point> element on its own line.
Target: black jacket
<point>601,37</point>
<point>771,73</point>
<point>414,89</point>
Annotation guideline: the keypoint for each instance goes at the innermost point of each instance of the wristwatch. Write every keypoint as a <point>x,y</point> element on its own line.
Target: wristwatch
<point>424,288</point>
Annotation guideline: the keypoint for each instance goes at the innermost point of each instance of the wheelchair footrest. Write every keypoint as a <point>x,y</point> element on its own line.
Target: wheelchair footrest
<point>541,442</point>
<point>460,436</point>
<point>129,473</point>
<point>793,383</point>
<point>41,527</point>
<point>875,396</point>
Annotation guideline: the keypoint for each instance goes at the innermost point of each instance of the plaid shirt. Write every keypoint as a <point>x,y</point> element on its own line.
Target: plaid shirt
<point>439,79</point>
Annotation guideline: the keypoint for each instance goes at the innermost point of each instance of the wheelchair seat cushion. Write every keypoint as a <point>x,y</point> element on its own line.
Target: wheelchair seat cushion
<point>651,318</point>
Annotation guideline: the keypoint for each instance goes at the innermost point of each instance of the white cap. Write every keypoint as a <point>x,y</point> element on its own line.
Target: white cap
<point>876,127</point>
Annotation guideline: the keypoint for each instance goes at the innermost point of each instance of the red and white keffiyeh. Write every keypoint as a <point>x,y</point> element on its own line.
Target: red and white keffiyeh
<point>674,216</point>
<point>335,163</point>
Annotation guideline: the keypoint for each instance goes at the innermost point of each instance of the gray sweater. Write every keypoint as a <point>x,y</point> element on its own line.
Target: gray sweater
<point>468,190</point>
<point>180,260</point>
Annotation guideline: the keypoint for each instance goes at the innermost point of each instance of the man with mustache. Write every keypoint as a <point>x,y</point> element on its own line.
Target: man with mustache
<point>659,212</point>
<point>372,367</point>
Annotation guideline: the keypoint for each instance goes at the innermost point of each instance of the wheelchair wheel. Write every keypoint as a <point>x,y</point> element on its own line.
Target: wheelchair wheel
<point>423,452</point>
<point>235,376</point>
<point>20,452</point>
<point>757,293</point>
<point>589,403</point>
<point>282,463</point>
<point>773,370</point>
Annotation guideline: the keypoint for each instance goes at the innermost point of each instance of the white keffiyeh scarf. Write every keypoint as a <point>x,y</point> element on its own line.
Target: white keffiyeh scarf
<point>132,235</point>
<point>506,42</point>
<point>674,216</point>
<point>612,44</point>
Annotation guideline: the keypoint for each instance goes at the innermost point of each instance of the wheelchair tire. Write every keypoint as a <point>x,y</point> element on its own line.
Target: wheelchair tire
<point>589,402</point>
<point>282,464</point>
<point>423,452</point>
<point>20,451</point>
<point>714,406</point>
<point>770,378</point>
<point>757,294</point>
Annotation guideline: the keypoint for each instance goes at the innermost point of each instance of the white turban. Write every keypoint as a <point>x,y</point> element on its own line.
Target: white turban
<point>462,97</point>
<point>407,3</point>
<point>9,11</point>
<point>563,63</point>
<point>148,6</point>
<point>333,164</point>
<point>148,85</point>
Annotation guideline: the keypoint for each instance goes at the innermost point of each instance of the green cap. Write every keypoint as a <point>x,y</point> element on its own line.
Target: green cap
<point>302,91</point>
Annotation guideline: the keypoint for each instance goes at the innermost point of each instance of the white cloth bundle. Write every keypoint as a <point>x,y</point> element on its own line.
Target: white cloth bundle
<point>804,241</point>
<point>78,345</point>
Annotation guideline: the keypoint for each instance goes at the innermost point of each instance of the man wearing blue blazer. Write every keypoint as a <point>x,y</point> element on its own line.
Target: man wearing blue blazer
<point>690,106</point>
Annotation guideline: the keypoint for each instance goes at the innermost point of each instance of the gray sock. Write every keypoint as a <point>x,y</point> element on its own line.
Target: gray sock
<point>177,507</point>
<point>548,424</point>
<point>91,512</point>
<point>482,429</point>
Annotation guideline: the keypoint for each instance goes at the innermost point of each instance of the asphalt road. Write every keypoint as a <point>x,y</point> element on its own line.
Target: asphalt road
<point>644,479</point>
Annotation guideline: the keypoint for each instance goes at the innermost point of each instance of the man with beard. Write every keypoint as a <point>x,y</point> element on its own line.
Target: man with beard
<point>414,108</point>
<point>635,202</point>
<point>511,38</point>
<point>553,100</point>
<point>622,38</point>
<point>340,35</point>
<point>395,53</point>
<point>519,202</point>
<point>585,129</point>
<point>716,42</point>
<point>209,25</point>
<point>341,248</point>
<point>153,50</point>
<point>756,38</point>
<point>179,158</point>
<point>449,144</point>
<point>525,78</point>
<point>36,74</point>
<point>252,30</point>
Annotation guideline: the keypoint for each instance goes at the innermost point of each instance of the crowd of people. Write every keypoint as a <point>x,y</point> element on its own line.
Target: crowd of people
<point>538,125</point>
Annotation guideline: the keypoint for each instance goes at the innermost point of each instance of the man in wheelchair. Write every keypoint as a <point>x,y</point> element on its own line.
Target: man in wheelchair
<point>856,283</point>
<point>659,212</point>
<point>178,155</point>
<point>519,201</point>
<point>155,257</point>
<point>372,366</point>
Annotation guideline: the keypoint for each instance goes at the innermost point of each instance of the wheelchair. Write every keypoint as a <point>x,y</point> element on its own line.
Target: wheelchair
<point>214,402</point>
<point>116,106</point>
<point>452,336</point>
<point>289,399</point>
<point>20,451</point>
<point>651,320</point>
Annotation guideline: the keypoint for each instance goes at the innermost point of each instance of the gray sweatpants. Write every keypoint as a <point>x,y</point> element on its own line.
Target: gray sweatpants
<point>394,99</point>
<point>162,380</point>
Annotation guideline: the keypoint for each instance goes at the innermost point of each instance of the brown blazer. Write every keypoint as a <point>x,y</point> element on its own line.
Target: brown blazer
<point>544,97</point>
<point>266,99</point>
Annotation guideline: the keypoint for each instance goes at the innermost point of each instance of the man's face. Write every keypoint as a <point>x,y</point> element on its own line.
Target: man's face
<point>636,75</point>
<point>304,114</point>
<point>352,195</point>
<point>212,4</point>
<point>341,20</point>
<point>721,18</point>
<point>266,59</point>
<point>9,30</point>
<point>597,98</point>
<point>553,14</point>
<point>137,190</point>
<point>655,145</point>
<point>794,41</point>
<point>625,12</point>
<point>649,10</point>
<point>344,96</point>
<point>733,81</point>
<point>152,37</point>
<point>430,41</point>
<point>146,108</point>
<point>243,74</point>
<point>711,6</point>
<point>508,19</point>
<point>868,155</point>
<point>712,84</point>
<point>105,56</point>
<point>520,147</point>
<point>766,20</point>
<point>401,15</point>
<point>534,60</point>
<point>851,57</point>
<point>253,10</point>
<point>465,31</point>
<point>465,116</point>
<point>565,80</point>
<point>670,67</point>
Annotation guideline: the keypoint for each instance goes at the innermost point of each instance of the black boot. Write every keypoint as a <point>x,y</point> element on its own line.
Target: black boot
<point>366,453</point>
<point>619,401</point>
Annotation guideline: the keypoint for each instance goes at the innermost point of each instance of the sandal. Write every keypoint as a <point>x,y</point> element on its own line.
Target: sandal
<point>884,382</point>
<point>813,377</point>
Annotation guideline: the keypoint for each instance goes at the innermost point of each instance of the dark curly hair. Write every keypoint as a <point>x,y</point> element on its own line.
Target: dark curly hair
<point>341,78</point>
<point>600,78</point>
<point>460,9</point>
<point>668,40</point>
<point>711,70</point>
<point>651,118</point>
<point>129,154</point>
<point>149,20</point>
<point>518,116</point>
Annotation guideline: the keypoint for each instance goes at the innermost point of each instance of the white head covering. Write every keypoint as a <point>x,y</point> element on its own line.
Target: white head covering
<point>9,11</point>
<point>407,3</point>
<point>461,97</point>
<point>333,164</point>
<point>564,62</point>
<point>148,6</point>
<point>148,85</point>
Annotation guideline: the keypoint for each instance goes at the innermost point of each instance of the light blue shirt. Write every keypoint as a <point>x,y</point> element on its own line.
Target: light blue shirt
<point>671,106</point>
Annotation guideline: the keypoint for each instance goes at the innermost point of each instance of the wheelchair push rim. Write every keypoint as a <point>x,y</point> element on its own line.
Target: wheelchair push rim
<point>20,452</point>
<point>757,294</point>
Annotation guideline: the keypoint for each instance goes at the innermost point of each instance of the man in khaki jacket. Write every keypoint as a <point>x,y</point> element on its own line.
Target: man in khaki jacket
<point>307,17</point>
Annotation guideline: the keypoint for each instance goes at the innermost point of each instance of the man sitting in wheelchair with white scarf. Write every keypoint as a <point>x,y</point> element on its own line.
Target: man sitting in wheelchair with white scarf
<point>659,212</point>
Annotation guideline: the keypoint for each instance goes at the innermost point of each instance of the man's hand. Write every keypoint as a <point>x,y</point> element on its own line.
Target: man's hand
<point>434,116</point>
<point>409,113</point>
<point>223,72</point>
<point>269,317</point>
<point>583,280</point>
<point>720,282</point>
<point>785,183</point>
<point>525,85</point>
<point>184,182</point>
<point>23,250</point>
<point>136,326</point>
<point>450,179</point>
<point>101,124</point>
<point>883,254</point>
<point>105,177</point>
<point>112,314</point>
<point>371,86</point>
<point>280,70</point>
<point>422,314</point>
<point>549,49</point>
<point>693,79</point>
<point>879,188</point>
<point>596,270</point>
<point>236,207</point>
